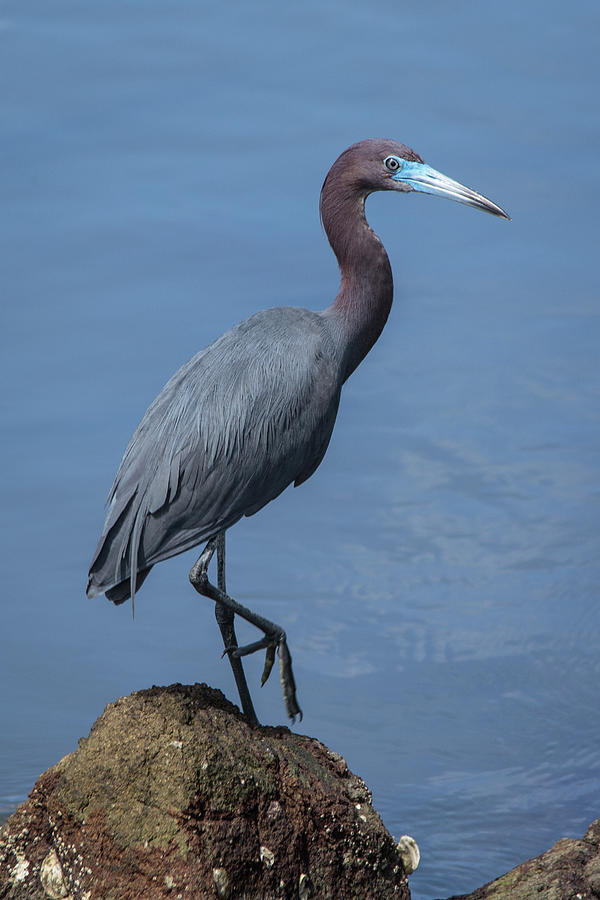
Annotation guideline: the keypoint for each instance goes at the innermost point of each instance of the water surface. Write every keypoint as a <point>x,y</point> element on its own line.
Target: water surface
<point>438,576</point>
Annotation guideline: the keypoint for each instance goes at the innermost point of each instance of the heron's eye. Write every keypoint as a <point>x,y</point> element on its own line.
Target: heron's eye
<point>392,164</point>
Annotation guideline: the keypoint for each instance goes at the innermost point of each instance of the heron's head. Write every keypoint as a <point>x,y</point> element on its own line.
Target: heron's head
<point>385,165</point>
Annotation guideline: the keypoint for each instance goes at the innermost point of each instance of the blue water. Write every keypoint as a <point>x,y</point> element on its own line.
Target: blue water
<point>438,576</point>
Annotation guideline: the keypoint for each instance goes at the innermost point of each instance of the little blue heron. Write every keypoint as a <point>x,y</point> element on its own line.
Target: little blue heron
<point>254,411</point>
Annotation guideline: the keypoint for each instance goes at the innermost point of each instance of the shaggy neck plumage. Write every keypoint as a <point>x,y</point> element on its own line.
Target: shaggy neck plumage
<point>363,303</point>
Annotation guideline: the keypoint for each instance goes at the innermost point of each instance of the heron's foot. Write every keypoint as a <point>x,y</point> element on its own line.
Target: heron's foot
<point>274,636</point>
<point>275,642</point>
<point>288,685</point>
<point>269,661</point>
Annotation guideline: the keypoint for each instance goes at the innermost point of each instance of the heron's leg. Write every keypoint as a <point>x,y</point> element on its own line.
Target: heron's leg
<point>274,636</point>
<point>225,617</point>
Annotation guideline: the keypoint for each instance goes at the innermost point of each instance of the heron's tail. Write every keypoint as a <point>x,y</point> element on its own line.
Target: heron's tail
<point>113,571</point>
<point>122,591</point>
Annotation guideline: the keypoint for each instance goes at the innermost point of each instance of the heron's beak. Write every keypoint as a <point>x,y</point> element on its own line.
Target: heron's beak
<point>422,177</point>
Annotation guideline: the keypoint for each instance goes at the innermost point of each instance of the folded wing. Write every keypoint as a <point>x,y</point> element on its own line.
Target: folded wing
<point>237,424</point>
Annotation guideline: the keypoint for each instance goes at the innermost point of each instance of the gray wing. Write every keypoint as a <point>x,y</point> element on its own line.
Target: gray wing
<point>237,424</point>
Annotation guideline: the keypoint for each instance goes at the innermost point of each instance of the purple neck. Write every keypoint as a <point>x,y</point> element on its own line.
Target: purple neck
<point>364,301</point>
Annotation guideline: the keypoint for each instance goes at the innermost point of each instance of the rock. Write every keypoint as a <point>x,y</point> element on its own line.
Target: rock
<point>570,870</point>
<point>173,795</point>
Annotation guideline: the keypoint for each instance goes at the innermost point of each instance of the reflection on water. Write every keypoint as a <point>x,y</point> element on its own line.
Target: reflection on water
<point>438,576</point>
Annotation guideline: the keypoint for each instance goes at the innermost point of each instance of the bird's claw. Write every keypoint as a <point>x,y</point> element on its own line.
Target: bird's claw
<point>274,643</point>
<point>288,685</point>
<point>269,661</point>
<point>286,675</point>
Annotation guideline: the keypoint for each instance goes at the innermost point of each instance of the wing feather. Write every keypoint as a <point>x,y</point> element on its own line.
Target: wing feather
<point>237,424</point>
